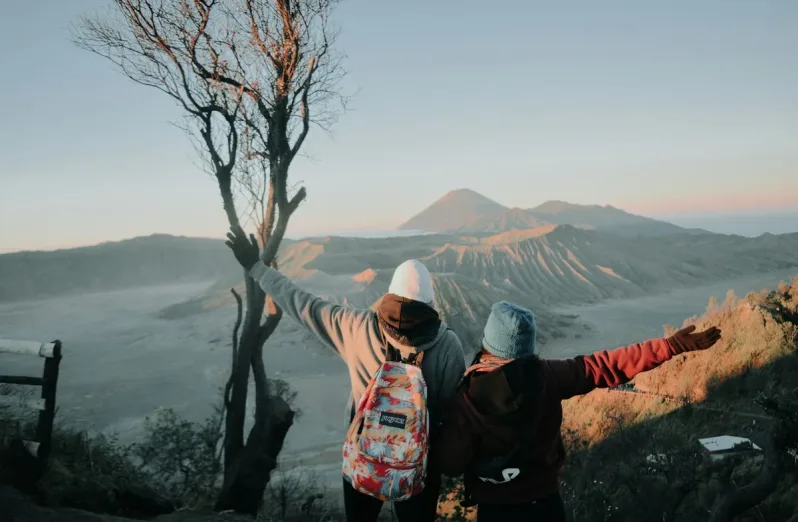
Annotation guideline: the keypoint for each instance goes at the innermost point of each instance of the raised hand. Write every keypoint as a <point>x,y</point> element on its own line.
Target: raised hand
<point>686,341</point>
<point>245,249</point>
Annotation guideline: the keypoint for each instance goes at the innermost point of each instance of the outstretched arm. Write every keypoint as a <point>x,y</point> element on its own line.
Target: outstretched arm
<point>607,369</point>
<point>334,325</point>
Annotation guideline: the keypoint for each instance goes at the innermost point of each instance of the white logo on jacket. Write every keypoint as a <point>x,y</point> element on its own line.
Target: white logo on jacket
<point>507,474</point>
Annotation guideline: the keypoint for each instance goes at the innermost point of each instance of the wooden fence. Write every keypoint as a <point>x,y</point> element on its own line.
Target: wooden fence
<point>51,353</point>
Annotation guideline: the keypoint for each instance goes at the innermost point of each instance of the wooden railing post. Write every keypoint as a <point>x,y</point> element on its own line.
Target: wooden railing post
<point>44,429</point>
<point>51,353</point>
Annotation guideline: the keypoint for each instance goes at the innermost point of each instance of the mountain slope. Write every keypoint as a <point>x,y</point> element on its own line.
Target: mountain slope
<point>606,218</point>
<point>453,211</point>
<point>570,265</point>
<point>142,261</point>
<point>501,221</point>
<point>553,264</point>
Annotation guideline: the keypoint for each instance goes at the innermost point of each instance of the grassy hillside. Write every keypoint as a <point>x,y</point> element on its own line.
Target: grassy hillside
<point>151,260</point>
<point>612,433</point>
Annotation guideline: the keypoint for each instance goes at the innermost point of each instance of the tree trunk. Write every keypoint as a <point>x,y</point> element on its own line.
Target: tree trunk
<point>236,409</point>
<point>248,467</point>
<point>259,458</point>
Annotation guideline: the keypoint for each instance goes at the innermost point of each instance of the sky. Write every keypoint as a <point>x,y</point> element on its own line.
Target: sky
<point>662,108</point>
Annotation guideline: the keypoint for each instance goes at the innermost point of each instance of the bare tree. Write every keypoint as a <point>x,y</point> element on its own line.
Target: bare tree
<point>251,77</point>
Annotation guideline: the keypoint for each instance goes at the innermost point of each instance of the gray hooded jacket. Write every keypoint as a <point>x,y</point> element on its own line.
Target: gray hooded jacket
<point>355,335</point>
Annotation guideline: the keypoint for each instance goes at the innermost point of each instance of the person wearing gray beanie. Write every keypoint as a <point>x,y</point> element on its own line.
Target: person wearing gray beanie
<point>502,431</point>
<point>406,321</point>
<point>510,332</point>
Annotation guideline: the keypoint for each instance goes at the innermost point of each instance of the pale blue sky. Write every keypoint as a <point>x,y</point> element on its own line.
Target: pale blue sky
<point>658,107</point>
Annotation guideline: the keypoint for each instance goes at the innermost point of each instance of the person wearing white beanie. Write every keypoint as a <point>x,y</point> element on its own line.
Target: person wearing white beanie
<point>406,319</point>
<point>412,280</point>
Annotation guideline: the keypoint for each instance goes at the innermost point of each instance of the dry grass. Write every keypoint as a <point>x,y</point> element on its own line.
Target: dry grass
<point>610,433</point>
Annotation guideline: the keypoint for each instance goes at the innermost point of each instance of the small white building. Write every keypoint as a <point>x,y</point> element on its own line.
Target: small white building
<point>728,445</point>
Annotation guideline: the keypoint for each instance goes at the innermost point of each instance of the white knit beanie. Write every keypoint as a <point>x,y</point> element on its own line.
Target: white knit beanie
<point>411,280</point>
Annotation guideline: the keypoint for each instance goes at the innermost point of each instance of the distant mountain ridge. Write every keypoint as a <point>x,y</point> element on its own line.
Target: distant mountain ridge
<point>142,261</point>
<point>466,211</point>
<point>541,268</point>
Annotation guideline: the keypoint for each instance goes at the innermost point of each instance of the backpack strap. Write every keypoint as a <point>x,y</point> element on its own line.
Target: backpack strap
<point>415,359</point>
<point>392,354</point>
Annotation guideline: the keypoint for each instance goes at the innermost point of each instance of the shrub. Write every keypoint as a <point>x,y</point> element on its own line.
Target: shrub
<point>183,458</point>
<point>175,465</point>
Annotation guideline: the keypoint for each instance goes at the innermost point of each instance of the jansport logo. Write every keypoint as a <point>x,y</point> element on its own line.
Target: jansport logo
<point>393,420</point>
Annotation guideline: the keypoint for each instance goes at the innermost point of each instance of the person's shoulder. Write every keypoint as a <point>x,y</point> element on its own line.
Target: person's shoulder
<point>551,367</point>
<point>450,337</point>
<point>450,347</point>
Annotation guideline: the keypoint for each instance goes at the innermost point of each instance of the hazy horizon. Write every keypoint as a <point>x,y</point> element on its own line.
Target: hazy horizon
<point>747,224</point>
<point>598,103</point>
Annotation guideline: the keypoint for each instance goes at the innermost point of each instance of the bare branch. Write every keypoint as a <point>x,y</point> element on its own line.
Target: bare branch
<point>251,77</point>
<point>261,69</point>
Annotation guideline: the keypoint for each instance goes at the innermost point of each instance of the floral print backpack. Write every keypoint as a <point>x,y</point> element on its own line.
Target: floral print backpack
<point>385,451</point>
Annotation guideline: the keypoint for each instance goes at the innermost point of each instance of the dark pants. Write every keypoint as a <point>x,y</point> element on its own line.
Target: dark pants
<point>549,509</point>
<point>421,508</point>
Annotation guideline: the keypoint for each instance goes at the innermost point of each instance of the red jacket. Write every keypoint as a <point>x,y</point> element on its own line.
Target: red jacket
<point>504,424</point>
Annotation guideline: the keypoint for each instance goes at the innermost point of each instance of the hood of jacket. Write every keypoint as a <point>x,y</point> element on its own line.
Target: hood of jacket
<point>410,326</point>
<point>501,401</point>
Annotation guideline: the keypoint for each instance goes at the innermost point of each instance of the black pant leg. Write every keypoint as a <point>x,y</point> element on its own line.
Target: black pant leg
<point>557,508</point>
<point>550,509</point>
<point>424,506</point>
<point>360,507</point>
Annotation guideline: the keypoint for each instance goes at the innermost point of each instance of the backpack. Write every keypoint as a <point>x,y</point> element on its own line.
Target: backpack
<point>385,451</point>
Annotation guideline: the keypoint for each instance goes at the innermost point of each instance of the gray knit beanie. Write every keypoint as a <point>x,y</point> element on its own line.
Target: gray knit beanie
<point>510,331</point>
